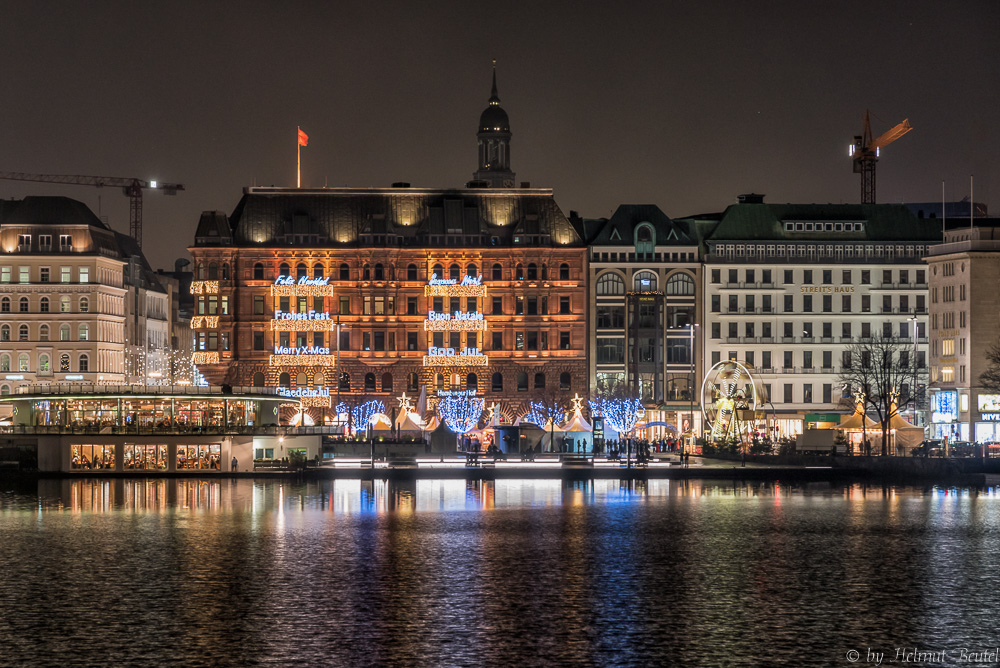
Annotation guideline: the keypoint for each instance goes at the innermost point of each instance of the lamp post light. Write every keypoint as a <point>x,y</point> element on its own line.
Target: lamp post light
<point>691,327</point>
<point>913,362</point>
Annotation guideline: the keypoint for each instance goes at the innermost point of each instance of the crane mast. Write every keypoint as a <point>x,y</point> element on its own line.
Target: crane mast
<point>131,188</point>
<point>865,152</point>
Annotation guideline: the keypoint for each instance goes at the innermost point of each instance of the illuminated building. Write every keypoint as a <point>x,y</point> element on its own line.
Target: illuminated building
<point>644,274</point>
<point>396,271</point>
<point>964,272</point>
<point>789,287</point>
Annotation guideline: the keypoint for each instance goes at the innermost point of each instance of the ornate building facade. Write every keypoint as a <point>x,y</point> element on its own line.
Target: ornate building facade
<point>340,293</point>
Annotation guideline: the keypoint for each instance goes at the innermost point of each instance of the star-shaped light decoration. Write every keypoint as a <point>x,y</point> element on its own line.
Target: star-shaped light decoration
<point>405,404</point>
<point>577,403</point>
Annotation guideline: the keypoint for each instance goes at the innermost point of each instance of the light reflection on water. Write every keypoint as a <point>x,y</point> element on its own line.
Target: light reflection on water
<point>450,572</point>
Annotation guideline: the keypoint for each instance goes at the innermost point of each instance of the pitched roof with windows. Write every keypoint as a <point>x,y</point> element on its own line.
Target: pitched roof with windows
<point>350,217</point>
<point>621,229</point>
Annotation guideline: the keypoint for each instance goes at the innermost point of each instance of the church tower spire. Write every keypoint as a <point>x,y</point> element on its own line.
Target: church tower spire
<point>494,143</point>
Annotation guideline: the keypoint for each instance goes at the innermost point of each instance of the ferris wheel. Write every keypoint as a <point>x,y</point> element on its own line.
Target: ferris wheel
<point>729,387</point>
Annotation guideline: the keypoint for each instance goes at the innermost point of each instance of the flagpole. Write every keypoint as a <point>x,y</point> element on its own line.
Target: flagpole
<point>298,161</point>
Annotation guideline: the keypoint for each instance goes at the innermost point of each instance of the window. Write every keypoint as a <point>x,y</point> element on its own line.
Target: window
<point>387,382</point>
<point>453,272</point>
<point>866,303</point>
<point>807,276</point>
<point>22,362</point>
<point>5,274</point>
<point>497,305</point>
<point>564,305</point>
<point>807,393</point>
<point>85,274</point>
<point>497,340</point>
<point>518,305</point>
<point>22,305</point>
<point>564,341</point>
<point>789,303</point>
<point>645,281</point>
<point>84,305</point>
<point>258,342</point>
<point>411,340</point>
<point>345,273</point>
<point>807,303</point>
<point>379,272</point>
<point>345,306</point>
<point>565,380</point>
<point>5,362</point>
<point>43,332</point>
<point>258,272</point>
<point>258,305</point>
<point>411,306</point>
<point>716,304</point>
<point>43,275</point>
<point>680,284</point>
<point>827,303</point>
<point>496,382</point>
<point>64,332</point>
<point>522,381</point>
<point>369,386</point>
<point>22,333</point>
<point>866,277</point>
<point>497,272</point>
<point>610,283</point>
<point>64,361</point>
<point>789,276</point>
<point>411,272</point>
<point>539,381</point>
<point>563,272</point>
<point>5,305</point>
<point>84,332</point>
<point>827,276</point>
<point>788,393</point>
<point>24,274</point>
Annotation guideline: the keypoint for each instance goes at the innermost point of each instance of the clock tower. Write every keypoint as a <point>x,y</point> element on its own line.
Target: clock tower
<point>494,143</point>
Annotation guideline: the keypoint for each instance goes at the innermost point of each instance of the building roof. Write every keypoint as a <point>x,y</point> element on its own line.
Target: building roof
<point>351,217</point>
<point>48,210</point>
<point>619,230</point>
<point>147,277</point>
<point>882,222</point>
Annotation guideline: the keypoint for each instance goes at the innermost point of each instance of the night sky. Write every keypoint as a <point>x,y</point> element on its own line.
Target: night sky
<point>683,105</point>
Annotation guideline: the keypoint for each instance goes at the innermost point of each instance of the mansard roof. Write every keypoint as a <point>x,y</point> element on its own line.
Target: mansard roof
<point>881,222</point>
<point>270,216</point>
<point>619,230</point>
<point>48,210</point>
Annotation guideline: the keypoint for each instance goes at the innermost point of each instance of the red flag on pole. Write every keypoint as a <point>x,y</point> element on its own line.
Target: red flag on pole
<point>303,138</point>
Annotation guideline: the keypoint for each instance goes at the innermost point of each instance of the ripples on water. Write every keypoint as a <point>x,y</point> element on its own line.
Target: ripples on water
<point>442,572</point>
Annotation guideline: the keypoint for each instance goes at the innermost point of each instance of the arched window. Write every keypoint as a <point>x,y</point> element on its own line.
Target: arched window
<point>379,272</point>
<point>369,382</point>
<point>519,272</point>
<point>610,283</point>
<point>43,332</point>
<point>564,272</point>
<point>539,381</point>
<point>258,379</point>
<point>564,380</point>
<point>84,332</point>
<point>22,333</point>
<point>317,271</point>
<point>84,305</point>
<point>644,234</point>
<point>5,305</point>
<point>453,272</point>
<point>44,365</point>
<point>532,271</point>
<point>284,380</point>
<point>680,284</point>
<point>438,270</point>
<point>345,272</point>
<point>5,332</point>
<point>411,272</point>
<point>4,390</point>
<point>522,381</point>
<point>284,269</point>
<point>5,362</point>
<point>22,362</point>
<point>319,381</point>
<point>64,332</point>
<point>496,383</point>
<point>84,364</point>
<point>412,382</point>
<point>43,305</point>
<point>258,272</point>
<point>64,304</point>
<point>387,382</point>
<point>472,270</point>
<point>201,271</point>
<point>472,382</point>
<point>64,362</point>
<point>213,271</point>
<point>345,381</point>
<point>439,381</point>
<point>497,271</point>
<point>22,305</point>
<point>301,380</point>
<point>225,271</point>
<point>645,281</point>
<point>301,270</point>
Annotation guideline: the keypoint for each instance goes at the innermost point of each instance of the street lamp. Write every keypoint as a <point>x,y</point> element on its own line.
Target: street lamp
<point>913,362</point>
<point>691,327</point>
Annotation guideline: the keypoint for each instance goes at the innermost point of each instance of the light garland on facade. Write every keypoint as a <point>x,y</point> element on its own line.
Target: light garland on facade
<point>302,290</point>
<point>205,358</point>
<point>454,290</point>
<point>205,321</point>
<point>204,287</point>
<point>454,325</point>
<point>456,360</point>
<point>316,402</point>
<point>303,325</point>
<point>461,414</point>
<point>302,360</point>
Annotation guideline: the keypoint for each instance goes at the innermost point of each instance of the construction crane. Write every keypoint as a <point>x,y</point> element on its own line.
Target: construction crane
<point>865,152</point>
<point>131,188</point>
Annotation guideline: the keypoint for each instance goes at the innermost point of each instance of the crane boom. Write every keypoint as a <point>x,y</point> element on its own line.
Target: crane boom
<point>865,150</point>
<point>131,187</point>
<point>891,136</point>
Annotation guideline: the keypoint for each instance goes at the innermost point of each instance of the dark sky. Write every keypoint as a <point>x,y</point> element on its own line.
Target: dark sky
<point>683,105</point>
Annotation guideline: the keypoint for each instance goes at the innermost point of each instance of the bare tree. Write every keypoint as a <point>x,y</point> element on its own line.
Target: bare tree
<point>990,378</point>
<point>883,369</point>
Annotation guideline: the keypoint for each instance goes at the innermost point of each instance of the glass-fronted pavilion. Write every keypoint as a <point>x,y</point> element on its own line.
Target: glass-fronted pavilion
<point>136,408</point>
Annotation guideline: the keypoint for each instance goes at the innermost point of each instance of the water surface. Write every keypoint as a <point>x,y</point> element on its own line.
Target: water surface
<point>448,572</point>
